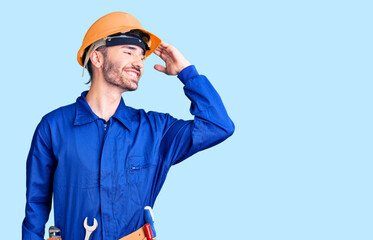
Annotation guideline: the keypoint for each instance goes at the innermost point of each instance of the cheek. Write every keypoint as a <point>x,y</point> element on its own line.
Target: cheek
<point>117,63</point>
<point>119,66</point>
<point>123,64</point>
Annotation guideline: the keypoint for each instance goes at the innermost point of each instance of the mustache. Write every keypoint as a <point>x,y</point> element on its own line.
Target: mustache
<point>132,68</point>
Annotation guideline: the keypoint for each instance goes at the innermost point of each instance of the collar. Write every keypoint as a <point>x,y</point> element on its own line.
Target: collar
<point>84,113</point>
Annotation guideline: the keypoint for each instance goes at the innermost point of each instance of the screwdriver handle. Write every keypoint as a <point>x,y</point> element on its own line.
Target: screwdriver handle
<point>148,231</point>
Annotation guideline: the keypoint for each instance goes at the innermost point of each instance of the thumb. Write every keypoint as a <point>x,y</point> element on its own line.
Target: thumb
<point>160,68</point>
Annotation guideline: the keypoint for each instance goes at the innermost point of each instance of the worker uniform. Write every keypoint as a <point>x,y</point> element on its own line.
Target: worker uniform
<point>110,170</point>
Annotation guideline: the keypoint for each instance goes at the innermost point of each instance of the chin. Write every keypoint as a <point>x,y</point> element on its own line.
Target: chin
<point>130,88</point>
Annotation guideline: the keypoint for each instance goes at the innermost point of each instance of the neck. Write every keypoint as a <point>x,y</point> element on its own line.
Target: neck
<point>103,99</point>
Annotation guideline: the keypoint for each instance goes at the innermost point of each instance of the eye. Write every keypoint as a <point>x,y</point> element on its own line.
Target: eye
<point>129,53</point>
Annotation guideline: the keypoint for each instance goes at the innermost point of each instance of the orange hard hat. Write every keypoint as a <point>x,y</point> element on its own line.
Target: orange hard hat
<point>115,22</point>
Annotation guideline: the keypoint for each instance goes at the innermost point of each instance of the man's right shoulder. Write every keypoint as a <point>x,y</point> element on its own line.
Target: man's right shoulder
<point>63,113</point>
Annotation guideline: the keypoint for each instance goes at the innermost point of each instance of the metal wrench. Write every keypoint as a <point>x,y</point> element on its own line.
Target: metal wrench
<point>89,229</point>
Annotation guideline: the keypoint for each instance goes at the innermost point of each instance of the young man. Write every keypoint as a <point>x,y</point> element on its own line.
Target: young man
<point>102,159</point>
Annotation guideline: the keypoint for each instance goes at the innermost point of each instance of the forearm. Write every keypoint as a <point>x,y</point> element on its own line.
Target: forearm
<point>206,104</point>
<point>39,181</point>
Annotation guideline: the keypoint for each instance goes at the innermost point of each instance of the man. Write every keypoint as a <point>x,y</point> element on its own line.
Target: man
<point>102,159</point>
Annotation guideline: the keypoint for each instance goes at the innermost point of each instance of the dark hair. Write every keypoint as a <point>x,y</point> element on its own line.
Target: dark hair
<point>140,34</point>
<point>103,50</point>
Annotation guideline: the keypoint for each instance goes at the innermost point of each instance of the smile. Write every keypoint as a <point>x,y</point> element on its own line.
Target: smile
<point>133,73</point>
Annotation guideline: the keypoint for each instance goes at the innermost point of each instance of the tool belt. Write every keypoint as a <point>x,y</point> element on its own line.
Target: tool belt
<point>139,234</point>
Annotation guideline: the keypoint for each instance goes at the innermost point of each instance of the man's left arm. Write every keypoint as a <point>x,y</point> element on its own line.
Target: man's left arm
<point>211,124</point>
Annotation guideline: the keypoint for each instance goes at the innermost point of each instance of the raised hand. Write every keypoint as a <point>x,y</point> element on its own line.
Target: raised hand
<point>175,61</point>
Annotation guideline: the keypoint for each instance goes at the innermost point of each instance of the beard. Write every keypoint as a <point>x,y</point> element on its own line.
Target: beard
<point>113,75</point>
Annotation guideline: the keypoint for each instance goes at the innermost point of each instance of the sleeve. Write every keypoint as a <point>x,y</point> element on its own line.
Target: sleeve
<point>40,166</point>
<point>211,124</point>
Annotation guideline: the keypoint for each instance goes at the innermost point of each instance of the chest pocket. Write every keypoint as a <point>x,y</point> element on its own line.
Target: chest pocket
<point>139,169</point>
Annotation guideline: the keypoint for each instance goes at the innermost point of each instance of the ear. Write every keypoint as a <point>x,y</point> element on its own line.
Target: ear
<point>97,59</point>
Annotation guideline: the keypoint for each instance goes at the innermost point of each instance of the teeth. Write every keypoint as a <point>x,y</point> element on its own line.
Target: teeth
<point>132,74</point>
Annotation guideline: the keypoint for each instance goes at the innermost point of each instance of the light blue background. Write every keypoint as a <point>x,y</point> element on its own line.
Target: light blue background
<point>295,76</point>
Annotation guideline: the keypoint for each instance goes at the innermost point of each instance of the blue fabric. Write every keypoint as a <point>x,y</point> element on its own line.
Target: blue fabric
<point>188,73</point>
<point>149,219</point>
<point>111,173</point>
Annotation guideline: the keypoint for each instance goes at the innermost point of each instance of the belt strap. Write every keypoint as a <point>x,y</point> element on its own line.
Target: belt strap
<point>139,234</point>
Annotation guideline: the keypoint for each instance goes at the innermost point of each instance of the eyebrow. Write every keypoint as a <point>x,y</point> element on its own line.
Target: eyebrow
<point>132,48</point>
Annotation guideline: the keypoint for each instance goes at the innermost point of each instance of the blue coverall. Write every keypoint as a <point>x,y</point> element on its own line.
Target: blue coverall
<point>112,170</point>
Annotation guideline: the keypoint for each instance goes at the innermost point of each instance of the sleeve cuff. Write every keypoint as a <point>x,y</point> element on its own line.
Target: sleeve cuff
<point>188,73</point>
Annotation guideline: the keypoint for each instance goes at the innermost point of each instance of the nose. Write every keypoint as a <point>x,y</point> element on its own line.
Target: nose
<point>138,63</point>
